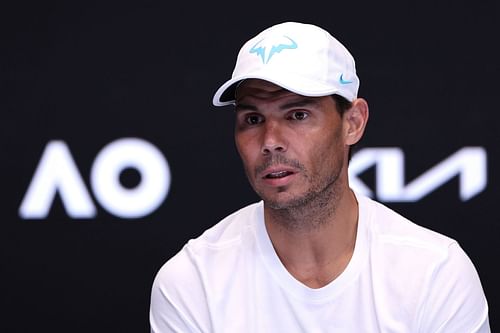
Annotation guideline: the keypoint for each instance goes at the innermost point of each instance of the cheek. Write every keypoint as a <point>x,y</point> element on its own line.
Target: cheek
<point>241,145</point>
<point>246,149</point>
<point>328,152</point>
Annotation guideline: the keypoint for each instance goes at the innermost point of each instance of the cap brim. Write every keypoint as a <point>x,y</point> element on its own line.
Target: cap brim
<point>225,95</point>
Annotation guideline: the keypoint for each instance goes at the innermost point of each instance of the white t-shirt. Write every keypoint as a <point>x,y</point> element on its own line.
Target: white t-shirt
<point>401,278</point>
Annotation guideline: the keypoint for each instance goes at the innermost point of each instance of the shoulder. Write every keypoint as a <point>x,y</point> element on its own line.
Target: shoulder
<point>179,294</point>
<point>227,233</point>
<point>232,226</point>
<point>390,228</point>
<point>220,242</point>
<point>412,252</point>
<point>432,266</point>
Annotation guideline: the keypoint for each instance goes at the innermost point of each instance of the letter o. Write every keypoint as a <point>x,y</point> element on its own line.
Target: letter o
<point>135,202</point>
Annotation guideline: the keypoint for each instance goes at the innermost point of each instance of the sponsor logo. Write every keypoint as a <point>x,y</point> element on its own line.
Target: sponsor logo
<point>57,173</point>
<point>342,80</point>
<point>469,164</point>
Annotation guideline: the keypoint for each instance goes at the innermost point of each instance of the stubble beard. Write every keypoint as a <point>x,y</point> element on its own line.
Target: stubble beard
<point>312,209</point>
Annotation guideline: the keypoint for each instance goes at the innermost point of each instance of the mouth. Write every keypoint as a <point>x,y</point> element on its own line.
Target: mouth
<point>278,174</point>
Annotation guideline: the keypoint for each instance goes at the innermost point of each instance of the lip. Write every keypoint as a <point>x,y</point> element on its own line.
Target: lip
<point>288,174</point>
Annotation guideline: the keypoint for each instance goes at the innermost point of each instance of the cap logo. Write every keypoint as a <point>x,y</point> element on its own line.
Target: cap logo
<point>260,48</point>
<point>342,80</point>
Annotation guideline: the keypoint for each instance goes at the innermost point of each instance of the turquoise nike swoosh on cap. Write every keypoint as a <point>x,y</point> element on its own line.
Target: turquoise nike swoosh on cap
<point>342,81</point>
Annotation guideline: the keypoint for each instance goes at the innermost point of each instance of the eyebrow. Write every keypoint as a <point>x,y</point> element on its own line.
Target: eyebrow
<point>241,107</point>
<point>306,101</point>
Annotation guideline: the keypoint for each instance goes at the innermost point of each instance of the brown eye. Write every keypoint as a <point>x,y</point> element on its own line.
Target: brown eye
<point>299,115</point>
<point>253,119</point>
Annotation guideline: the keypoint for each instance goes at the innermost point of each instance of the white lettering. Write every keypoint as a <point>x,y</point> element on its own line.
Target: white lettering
<point>56,172</point>
<point>130,153</point>
<point>469,163</point>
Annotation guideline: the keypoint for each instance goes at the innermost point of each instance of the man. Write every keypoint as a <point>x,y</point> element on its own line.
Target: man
<point>312,256</point>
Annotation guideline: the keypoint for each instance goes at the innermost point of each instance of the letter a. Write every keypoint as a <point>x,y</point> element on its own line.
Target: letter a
<point>56,171</point>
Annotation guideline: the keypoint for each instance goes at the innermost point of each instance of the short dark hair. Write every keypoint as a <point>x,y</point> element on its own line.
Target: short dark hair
<point>343,104</point>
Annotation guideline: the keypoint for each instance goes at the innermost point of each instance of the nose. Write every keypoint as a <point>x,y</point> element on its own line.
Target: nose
<point>274,139</point>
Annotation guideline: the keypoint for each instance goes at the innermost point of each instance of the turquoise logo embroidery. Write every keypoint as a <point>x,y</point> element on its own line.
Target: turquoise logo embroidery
<point>342,81</point>
<point>260,50</point>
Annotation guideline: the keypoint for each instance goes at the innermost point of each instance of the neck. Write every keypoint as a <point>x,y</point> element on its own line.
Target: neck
<point>315,242</point>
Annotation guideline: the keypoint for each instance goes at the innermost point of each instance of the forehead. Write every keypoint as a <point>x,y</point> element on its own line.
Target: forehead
<point>260,89</point>
<point>256,92</point>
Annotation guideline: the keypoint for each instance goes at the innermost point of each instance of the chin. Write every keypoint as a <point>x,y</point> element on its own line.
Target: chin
<point>284,201</point>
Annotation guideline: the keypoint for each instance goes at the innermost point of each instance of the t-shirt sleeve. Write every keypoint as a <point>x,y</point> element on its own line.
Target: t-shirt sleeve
<point>455,301</point>
<point>178,302</point>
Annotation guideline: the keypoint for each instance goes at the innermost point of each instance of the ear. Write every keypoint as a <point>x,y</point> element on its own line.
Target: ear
<point>355,120</point>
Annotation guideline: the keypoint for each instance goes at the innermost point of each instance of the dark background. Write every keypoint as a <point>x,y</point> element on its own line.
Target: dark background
<point>89,73</point>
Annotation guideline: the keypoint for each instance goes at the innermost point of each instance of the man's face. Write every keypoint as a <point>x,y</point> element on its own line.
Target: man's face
<point>292,146</point>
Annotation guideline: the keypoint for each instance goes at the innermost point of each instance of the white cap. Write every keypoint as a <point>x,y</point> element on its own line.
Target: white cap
<point>301,58</point>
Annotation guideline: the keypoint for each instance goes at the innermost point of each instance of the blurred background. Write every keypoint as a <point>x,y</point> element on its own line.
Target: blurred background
<point>113,155</point>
